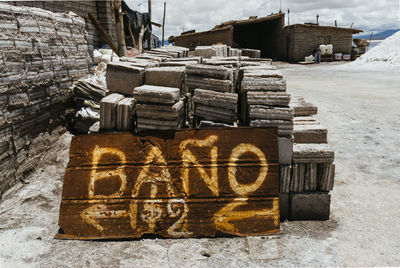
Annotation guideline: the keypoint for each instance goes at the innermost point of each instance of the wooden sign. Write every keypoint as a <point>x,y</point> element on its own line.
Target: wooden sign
<point>183,183</point>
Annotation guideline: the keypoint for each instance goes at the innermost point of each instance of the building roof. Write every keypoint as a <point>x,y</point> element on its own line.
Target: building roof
<point>354,31</point>
<point>251,20</point>
<point>229,25</point>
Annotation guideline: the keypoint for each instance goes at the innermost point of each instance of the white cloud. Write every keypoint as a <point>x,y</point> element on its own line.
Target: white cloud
<point>205,14</point>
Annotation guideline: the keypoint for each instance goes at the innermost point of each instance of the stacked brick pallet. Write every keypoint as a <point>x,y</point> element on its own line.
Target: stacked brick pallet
<point>264,93</point>
<point>213,88</point>
<point>41,54</point>
<point>305,185</point>
<point>158,107</point>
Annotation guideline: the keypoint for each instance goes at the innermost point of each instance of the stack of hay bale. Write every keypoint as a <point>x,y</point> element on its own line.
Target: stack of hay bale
<point>158,108</point>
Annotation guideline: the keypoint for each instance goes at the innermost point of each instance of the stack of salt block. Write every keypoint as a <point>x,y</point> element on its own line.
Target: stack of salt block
<point>267,101</point>
<point>123,77</point>
<point>182,61</point>
<point>252,53</point>
<point>117,113</point>
<point>217,107</point>
<point>209,51</point>
<point>165,76</point>
<point>208,83</point>
<point>158,108</point>
<point>305,186</point>
<point>216,78</point>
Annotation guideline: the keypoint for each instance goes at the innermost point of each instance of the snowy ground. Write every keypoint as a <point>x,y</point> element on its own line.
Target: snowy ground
<point>361,111</point>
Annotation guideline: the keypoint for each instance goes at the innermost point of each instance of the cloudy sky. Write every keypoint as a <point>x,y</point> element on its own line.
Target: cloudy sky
<point>369,15</point>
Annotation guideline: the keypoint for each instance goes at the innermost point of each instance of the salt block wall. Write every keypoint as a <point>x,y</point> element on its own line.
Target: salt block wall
<point>41,54</point>
<point>100,8</point>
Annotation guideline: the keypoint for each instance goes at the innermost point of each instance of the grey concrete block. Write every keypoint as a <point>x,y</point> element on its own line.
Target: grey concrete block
<point>284,206</point>
<point>285,172</point>
<point>285,127</point>
<point>108,111</point>
<point>310,177</point>
<point>156,94</point>
<point>302,108</point>
<point>252,53</point>
<point>216,72</point>
<point>268,98</point>
<point>215,114</point>
<point>297,179</point>
<point>205,51</point>
<point>216,99</point>
<point>165,76</point>
<point>193,82</point>
<point>210,124</point>
<point>312,153</point>
<point>125,114</point>
<point>326,177</point>
<point>123,77</point>
<point>310,206</point>
<point>310,133</point>
<point>160,112</point>
<point>263,84</point>
<point>285,146</point>
<point>270,113</point>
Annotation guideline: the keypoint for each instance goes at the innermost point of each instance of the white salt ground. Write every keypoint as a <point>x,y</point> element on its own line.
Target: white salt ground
<point>360,110</point>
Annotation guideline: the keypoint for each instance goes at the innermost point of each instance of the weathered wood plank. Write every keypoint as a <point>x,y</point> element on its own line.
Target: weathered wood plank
<point>218,180</point>
<point>131,218</point>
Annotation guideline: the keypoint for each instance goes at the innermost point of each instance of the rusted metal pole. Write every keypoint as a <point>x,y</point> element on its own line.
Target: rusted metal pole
<point>149,40</point>
<point>163,23</point>
<point>119,21</point>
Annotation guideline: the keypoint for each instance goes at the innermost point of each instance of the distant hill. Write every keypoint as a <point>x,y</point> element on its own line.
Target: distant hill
<point>378,36</point>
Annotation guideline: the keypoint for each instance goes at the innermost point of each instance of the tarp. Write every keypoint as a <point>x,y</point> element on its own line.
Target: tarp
<point>136,20</point>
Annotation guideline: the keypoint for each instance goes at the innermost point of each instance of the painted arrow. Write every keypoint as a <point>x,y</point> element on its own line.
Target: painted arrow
<point>223,218</point>
<point>95,212</point>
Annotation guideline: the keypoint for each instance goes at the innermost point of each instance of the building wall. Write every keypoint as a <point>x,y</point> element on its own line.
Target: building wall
<point>100,8</point>
<point>300,41</point>
<point>209,38</point>
<point>41,54</point>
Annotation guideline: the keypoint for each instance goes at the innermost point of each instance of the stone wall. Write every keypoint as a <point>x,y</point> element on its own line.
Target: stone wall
<point>41,54</point>
<point>301,40</point>
<point>100,8</point>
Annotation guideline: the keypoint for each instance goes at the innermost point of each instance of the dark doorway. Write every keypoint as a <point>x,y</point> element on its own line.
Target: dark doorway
<point>264,36</point>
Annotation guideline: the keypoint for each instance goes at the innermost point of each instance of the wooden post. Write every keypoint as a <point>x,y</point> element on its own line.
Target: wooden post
<point>335,23</point>
<point>119,21</point>
<point>317,19</point>
<point>163,24</point>
<point>149,40</point>
<point>288,20</point>
<point>103,33</point>
<point>132,36</point>
<point>141,39</point>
